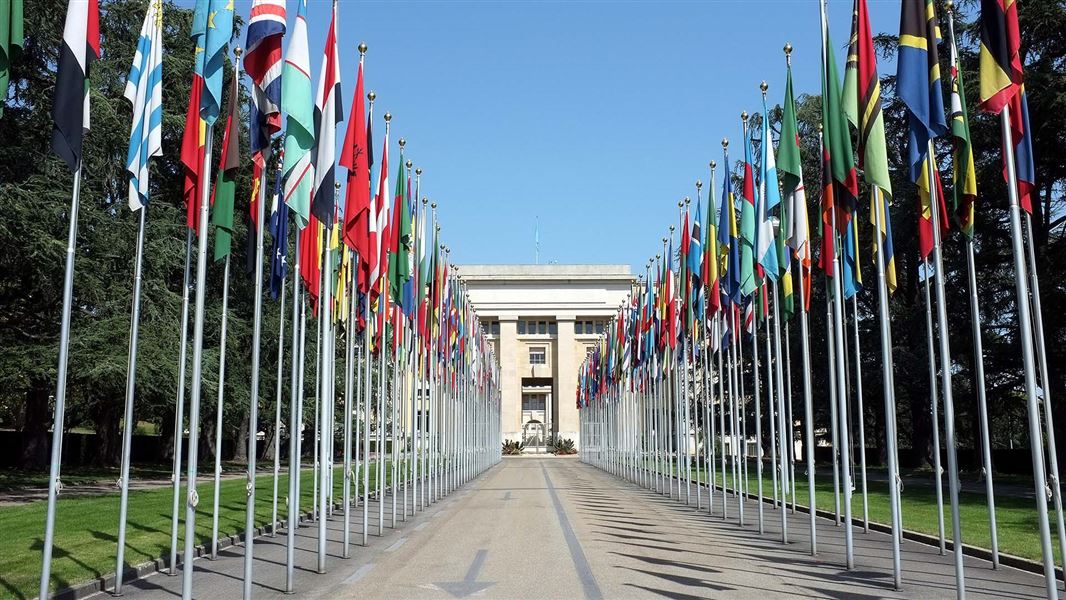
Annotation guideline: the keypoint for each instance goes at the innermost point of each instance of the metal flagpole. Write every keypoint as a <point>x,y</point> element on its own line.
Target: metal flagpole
<point>131,383</point>
<point>842,401</point>
<point>718,318</point>
<point>383,374</point>
<point>295,425</point>
<point>277,414</point>
<point>1028,360</point>
<point>197,372</point>
<point>979,362</point>
<point>1041,358</point>
<point>945,375</point>
<point>301,374</point>
<point>218,409</point>
<point>320,360</point>
<point>179,408</point>
<point>368,385</point>
<point>253,403</point>
<point>349,381</point>
<point>861,416</point>
<point>58,422</point>
<point>791,439</point>
<point>934,411</point>
<point>781,430</point>
<point>888,390</point>
<point>808,411</point>
<point>323,397</point>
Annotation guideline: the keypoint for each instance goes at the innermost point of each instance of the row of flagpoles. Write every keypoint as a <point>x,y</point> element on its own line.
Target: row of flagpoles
<point>373,272</point>
<point>682,344</point>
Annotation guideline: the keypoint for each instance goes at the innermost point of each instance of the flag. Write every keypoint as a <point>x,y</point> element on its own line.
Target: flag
<point>70,110</point>
<point>728,237</point>
<point>964,179</point>
<point>299,132</point>
<point>694,301</point>
<point>354,158</point>
<point>799,236</point>
<point>195,134</point>
<point>144,90</point>
<point>400,238</point>
<point>849,259</point>
<point>225,183</point>
<point>747,223</point>
<point>862,101</point>
<point>925,208</point>
<point>328,112</point>
<point>769,198</point>
<point>837,140</point>
<point>710,255</point>
<point>310,240</point>
<point>217,32</point>
<point>918,80</point>
<point>279,232</point>
<point>10,42</point>
<point>1002,84</point>
<point>379,229</point>
<point>827,208</point>
<point>263,63</point>
<point>879,216</point>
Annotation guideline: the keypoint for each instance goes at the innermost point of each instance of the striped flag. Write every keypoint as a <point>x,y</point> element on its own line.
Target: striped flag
<point>1002,84</point>
<point>263,63</point>
<point>300,131</point>
<point>379,223</point>
<point>964,178</point>
<point>748,258</point>
<point>229,161</point>
<point>328,112</point>
<point>144,90</point>
<point>769,198</point>
<point>918,80</point>
<point>799,235</point>
<point>70,111</point>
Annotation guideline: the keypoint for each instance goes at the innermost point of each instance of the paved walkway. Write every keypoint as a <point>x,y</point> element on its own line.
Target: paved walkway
<point>557,528</point>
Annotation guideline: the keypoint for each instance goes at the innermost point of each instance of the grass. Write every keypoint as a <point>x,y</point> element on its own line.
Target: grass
<point>86,529</point>
<point>1016,518</point>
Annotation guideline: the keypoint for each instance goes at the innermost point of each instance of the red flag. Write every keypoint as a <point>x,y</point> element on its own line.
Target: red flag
<point>354,157</point>
<point>192,154</point>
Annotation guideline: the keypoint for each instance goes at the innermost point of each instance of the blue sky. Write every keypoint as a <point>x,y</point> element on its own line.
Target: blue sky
<point>595,117</point>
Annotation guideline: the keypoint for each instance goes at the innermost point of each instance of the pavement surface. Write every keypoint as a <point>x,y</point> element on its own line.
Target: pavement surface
<point>549,528</point>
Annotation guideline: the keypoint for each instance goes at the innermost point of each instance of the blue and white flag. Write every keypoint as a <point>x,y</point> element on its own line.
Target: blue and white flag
<point>144,90</point>
<point>279,231</point>
<point>769,197</point>
<point>263,63</point>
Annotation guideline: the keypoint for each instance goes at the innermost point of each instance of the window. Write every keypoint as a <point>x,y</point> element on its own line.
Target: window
<point>542,327</point>
<point>599,327</point>
<point>588,327</point>
<point>553,328</point>
<point>521,328</point>
<point>537,355</point>
<point>495,328</point>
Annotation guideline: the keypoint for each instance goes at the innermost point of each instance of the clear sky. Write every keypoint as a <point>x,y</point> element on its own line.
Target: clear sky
<point>595,117</point>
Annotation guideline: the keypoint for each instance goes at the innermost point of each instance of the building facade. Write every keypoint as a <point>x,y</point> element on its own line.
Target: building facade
<point>542,320</point>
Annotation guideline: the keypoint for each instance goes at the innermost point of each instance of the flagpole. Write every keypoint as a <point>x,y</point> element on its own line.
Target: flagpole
<point>253,404</point>
<point>322,412</point>
<point>861,417</point>
<point>888,390</point>
<point>128,423</point>
<point>295,433</point>
<point>945,375</point>
<point>179,408</point>
<point>757,389</point>
<point>1028,360</point>
<point>1041,357</point>
<point>349,366</point>
<point>780,413</point>
<point>934,411</point>
<point>791,440</point>
<point>218,409</point>
<point>277,413</point>
<point>320,358</point>
<point>197,370</point>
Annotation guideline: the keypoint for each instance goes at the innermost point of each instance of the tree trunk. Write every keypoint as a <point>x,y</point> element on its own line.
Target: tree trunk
<point>35,418</point>
<point>240,450</point>
<point>105,417</point>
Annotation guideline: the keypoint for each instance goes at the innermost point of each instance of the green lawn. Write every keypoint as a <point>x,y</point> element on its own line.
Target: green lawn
<point>86,529</point>
<point>1015,517</point>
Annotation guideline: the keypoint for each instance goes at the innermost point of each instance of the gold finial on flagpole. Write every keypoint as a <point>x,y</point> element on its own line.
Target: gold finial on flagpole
<point>763,86</point>
<point>725,142</point>
<point>237,52</point>
<point>409,165</point>
<point>388,117</point>
<point>744,116</point>
<point>699,184</point>
<point>403,142</point>
<point>362,48</point>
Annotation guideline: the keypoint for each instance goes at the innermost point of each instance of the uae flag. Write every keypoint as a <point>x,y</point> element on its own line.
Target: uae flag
<point>70,112</point>
<point>328,112</point>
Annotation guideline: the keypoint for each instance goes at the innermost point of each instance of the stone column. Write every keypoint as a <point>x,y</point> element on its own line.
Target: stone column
<point>510,382</point>
<point>566,367</point>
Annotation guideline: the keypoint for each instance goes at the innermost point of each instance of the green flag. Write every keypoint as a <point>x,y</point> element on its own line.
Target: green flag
<point>10,42</point>
<point>862,101</point>
<point>836,135</point>
<point>226,184</point>
<point>400,245</point>
<point>297,104</point>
